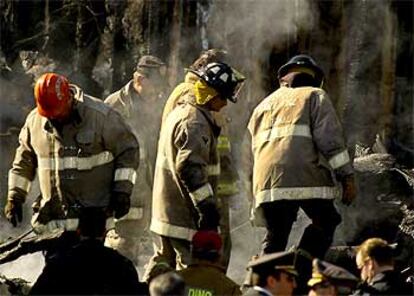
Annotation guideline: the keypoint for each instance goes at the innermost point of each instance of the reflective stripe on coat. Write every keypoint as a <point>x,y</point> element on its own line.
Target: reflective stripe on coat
<point>184,173</point>
<point>92,156</point>
<point>296,141</point>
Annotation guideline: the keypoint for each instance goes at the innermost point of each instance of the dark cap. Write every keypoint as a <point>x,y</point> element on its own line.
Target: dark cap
<point>323,271</point>
<point>284,261</point>
<point>149,61</point>
<point>302,63</point>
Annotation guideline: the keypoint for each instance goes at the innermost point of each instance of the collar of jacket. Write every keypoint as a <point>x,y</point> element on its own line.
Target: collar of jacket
<point>381,276</point>
<point>128,95</point>
<point>205,263</point>
<point>262,291</point>
<point>77,115</point>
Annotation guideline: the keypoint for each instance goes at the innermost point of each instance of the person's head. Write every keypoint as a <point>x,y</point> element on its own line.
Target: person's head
<point>218,83</point>
<point>213,55</point>
<point>169,283</point>
<point>206,245</point>
<point>92,223</point>
<point>149,76</point>
<point>275,272</point>
<point>54,100</point>
<point>329,279</point>
<point>301,70</point>
<point>373,256</point>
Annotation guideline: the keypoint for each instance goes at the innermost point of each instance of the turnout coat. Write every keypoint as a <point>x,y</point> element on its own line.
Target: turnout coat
<point>186,170</point>
<point>296,141</point>
<point>80,164</point>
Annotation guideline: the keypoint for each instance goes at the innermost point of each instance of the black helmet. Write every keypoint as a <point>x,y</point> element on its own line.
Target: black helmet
<point>224,79</point>
<point>302,60</point>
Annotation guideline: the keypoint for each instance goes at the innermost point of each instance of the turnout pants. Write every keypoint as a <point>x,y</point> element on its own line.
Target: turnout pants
<point>169,253</point>
<point>317,237</point>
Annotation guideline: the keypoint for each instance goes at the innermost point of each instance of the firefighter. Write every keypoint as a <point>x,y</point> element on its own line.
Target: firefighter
<point>227,181</point>
<point>296,141</point>
<point>205,276</point>
<point>184,198</point>
<point>84,155</point>
<point>137,102</point>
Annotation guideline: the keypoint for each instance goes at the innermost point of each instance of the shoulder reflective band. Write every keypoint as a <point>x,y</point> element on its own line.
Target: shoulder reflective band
<point>201,193</point>
<point>125,174</point>
<point>296,193</point>
<point>339,159</point>
<point>223,144</point>
<point>228,188</point>
<point>16,181</point>
<point>213,169</point>
<point>297,130</point>
<point>74,162</point>
<point>166,229</point>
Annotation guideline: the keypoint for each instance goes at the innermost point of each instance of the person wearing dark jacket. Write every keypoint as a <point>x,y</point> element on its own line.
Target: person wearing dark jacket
<point>273,274</point>
<point>88,268</point>
<point>375,261</point>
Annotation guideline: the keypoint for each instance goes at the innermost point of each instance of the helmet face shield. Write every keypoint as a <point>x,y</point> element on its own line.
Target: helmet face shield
<point>236,92</point>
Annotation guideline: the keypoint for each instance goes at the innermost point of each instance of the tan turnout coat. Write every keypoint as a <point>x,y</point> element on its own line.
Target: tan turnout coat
<point>186,169</point>
<point>296,141</point>
<point>92,156</point>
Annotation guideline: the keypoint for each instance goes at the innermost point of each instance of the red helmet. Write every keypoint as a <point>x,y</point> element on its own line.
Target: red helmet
<point>52,95</point>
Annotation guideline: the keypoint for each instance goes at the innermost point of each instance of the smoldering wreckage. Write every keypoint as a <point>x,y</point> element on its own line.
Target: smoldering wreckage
<point>369,78</point>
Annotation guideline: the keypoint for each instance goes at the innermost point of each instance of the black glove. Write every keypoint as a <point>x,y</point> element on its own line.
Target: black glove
<point>209,216</point>
<point>14,212</point>
<point>120,204</point>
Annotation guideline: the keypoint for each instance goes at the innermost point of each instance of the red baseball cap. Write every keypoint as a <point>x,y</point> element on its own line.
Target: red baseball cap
<point>207,240</point>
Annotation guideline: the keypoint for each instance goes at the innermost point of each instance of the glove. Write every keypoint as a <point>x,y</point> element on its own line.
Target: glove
<point>119,204</point>
<point>348,189</point>
<point>209,216</point>
<point>14,212</point>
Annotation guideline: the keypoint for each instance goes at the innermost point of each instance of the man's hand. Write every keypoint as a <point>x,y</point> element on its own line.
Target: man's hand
<point>209,216</point>
<point>120,204</point>
<point>348,189</point>
<point>14,212</point>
